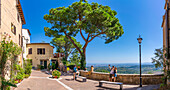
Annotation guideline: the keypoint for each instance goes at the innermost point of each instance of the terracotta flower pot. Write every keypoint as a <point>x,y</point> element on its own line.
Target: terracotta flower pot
<point>19,81</point>
<point>55,76</point>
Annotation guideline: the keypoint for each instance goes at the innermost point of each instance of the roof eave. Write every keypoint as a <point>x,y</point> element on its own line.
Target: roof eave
<point>21,12</point>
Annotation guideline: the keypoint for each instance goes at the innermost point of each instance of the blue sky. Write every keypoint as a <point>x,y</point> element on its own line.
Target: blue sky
<point>136,16</point>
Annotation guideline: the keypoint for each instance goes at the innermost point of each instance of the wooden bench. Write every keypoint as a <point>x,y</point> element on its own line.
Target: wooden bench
<point>108,82</point>
<point>84,78</point>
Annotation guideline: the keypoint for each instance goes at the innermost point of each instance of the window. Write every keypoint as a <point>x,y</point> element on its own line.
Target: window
<point>19,40</point>
<point>13,29</point>
<point>27,40</point>
<point>18,18</point>
<point>41,51</point>
<point>41,62</point>
<point>30,51</point>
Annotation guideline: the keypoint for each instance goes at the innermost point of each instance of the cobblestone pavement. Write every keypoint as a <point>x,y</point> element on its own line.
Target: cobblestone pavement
<point>94,85</point>
<point>39,81</point>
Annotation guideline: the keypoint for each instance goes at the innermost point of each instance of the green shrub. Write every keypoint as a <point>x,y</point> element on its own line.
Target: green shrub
<point>19,69</point>
<point>27,75</point>
<point>8,88</point>
<point>28,69</point>
<point>20,72</point>
<point>38,66</point>
<point>27,66</point>
<point>56,73</point>
<point>71,66</point>
<point>42,67</point>
<point>15,82</point>
<point>19,76</point>
<point>162,85</point>
<point>53,66</point>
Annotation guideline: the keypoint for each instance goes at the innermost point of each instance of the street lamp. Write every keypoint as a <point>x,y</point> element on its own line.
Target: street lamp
<point>140,41</point>
<point>50,64</point>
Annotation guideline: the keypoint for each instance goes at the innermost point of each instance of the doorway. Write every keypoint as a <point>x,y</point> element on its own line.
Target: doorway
<point>45,64</point>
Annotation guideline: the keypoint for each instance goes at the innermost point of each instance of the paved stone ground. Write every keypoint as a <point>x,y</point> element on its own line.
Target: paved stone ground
<point>39,81</point>
<point>94,85</point>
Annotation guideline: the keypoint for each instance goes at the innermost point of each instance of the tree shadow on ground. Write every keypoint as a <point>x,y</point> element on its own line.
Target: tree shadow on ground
<point>66,74</point>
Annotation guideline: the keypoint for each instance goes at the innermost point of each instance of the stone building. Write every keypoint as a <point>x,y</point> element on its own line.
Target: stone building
<point>11,21</point>
<point>166,33</point>
<point>25,40</point>
<point>40,53</point>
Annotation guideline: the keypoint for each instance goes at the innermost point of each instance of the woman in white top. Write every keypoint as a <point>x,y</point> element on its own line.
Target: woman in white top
<point>111,73</point>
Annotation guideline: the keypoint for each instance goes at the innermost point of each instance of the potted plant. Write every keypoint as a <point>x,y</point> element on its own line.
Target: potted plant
<point>56,74</point>
<point>38,67</point>
<point>19,77</point>
<point>42,67</point>
<point>15,82</point>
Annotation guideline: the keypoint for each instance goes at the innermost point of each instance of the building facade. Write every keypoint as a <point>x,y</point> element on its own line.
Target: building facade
<point>166,34</point>
<point>25,40</point>
<point>40,53</point>
<point>11,21</point>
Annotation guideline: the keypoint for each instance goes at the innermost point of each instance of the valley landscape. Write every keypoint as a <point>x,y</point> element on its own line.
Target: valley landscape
<point>127,68</point>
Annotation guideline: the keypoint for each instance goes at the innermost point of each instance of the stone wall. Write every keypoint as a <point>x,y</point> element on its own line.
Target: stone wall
<point>125,78</point>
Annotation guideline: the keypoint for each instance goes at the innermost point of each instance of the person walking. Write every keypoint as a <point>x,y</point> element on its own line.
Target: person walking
<point>111,73</point>
<point>115,73</point>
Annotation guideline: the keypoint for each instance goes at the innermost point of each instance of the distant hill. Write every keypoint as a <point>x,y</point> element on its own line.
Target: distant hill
<point>127,68</point>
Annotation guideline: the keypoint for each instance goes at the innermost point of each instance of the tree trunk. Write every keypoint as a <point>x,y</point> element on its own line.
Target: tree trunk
<point>83,57</point>
<point>83,61</point>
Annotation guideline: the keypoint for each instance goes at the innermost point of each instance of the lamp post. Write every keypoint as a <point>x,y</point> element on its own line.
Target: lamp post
<point>51,64</point>
<point>140,41</point>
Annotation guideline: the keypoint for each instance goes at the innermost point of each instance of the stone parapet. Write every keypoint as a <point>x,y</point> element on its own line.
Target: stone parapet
<point>147,79</point>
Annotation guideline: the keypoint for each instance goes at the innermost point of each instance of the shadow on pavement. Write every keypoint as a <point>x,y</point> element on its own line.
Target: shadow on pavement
<point>69,79</point>
<point>79,81</point>
<point>66,74</point>
<point>73,80</point>
<point>28,89</point>
<point>154,87</point>
<point>106,88</point>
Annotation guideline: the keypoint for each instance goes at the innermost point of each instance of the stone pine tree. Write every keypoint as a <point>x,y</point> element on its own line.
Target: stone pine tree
<point>88,20</point>
<point>64,45</point>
